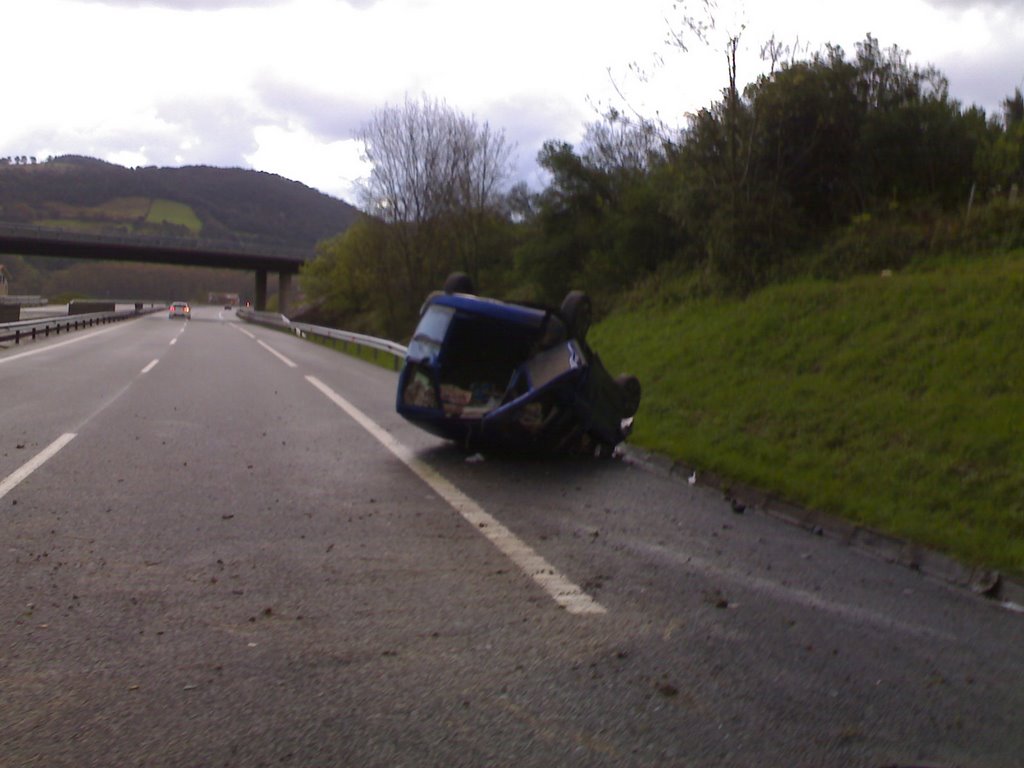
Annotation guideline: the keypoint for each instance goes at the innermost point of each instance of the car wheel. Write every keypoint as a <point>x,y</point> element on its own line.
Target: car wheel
<point>629,386</point>
<point>458,282</point>
<point>577,312</point>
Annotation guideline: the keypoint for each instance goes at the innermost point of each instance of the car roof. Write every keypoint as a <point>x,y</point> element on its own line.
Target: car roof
<point>530,317</point>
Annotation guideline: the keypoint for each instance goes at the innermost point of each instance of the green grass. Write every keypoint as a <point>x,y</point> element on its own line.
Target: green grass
<point>382,359</point>
<point>894,402</point>
<point>76,225</point>
<point>170,212</point>
<point>129,212</point>
<point>126,208</point>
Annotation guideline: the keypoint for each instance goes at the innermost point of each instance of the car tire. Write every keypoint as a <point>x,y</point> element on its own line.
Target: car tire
<point>458,282</point>
<point>577,312</point>
<point>629,386</point>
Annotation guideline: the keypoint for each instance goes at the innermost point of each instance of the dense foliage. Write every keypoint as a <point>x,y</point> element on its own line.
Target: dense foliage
<point>830,166</point>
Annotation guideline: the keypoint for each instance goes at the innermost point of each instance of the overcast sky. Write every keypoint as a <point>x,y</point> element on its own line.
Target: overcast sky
<point>284,85</point>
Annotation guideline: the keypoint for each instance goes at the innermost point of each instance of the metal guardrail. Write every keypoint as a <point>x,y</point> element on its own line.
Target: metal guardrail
<point>274,320</point>
<point>34,329</point>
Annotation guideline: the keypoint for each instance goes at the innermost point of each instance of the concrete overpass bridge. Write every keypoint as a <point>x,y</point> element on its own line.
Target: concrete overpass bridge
<point>24,240</point>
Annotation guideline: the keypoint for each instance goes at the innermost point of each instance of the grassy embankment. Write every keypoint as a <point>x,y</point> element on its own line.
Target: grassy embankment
<point>171,212</point>
<point>134,213</point>
<point>382,359</point>
<point>896,402</point>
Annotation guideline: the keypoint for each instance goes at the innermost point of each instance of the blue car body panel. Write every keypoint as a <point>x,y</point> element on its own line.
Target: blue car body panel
<point>490,374</point>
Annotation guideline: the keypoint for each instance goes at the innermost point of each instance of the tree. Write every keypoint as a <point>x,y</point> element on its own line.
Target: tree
<point>600,224</point>
<point>348,280</point>
<point>1001,165</point>
<point>437,180</point>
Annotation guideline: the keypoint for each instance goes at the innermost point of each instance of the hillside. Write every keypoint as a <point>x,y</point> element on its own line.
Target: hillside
<point>214,203</point>
<point>891,401</point>
<point>223,204</point>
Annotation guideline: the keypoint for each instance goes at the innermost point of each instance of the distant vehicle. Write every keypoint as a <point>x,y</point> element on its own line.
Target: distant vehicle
<point>495,375</point>
<point>180,309</point>
<point>229,300</point>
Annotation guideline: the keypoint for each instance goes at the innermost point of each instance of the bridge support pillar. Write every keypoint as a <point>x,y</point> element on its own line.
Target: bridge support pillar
<point>284,287</point>
<point>261,290</point>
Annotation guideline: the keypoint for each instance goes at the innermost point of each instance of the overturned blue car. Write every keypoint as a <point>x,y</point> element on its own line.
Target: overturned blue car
<point>492,375</point>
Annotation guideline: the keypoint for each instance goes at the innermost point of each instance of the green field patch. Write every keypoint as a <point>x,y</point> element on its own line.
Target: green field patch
<point>126,208</point>
<point>358,351</point>
<point>171,212</point>
<point>893,402</point>
<point>75,225</point>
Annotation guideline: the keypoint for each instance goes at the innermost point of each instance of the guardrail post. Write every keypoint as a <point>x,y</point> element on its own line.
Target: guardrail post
<point>17,337</point>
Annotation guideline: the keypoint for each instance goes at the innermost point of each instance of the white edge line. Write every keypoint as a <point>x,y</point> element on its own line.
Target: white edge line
<point>276,354</point>
<point>560,588</point>
<point>174,341</point>
<point>48,347</point>
<point>151,366</point>
<point>240,329</point>
<point>30,466</point>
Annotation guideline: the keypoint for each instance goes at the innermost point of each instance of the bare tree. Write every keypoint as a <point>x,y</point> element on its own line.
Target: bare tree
<point>436,175</point>
<point>619,143</point>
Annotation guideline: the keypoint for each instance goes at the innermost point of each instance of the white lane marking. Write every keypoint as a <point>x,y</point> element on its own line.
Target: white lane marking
<point>34,463</point>
<point>48,347</point>
<point>276,354</point>
<point>151,366</point>
<point>174,341</point>
<point>240,329</point>
<point>563,591</point>
<point>784,592</point>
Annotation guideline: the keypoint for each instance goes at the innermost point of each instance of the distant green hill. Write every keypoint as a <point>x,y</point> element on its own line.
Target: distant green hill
<point>892,401</point>
<point>215,203</point>
<point>223,204</point>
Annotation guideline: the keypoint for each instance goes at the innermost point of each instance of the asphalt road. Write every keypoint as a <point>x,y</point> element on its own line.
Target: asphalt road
<point>238,555</point>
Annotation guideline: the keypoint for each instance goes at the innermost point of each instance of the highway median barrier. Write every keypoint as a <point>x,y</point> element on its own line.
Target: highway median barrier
<point>89,306</point>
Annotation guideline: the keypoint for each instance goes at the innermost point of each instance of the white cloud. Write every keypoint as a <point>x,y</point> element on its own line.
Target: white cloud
<point>284,85</point>
<point>333,167</point>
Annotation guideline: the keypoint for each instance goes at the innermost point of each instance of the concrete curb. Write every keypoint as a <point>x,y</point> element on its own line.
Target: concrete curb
<point>987,583</point>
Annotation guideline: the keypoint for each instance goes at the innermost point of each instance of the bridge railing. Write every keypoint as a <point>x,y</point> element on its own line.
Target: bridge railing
<point>32,231</point>
<point>304,330</point>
